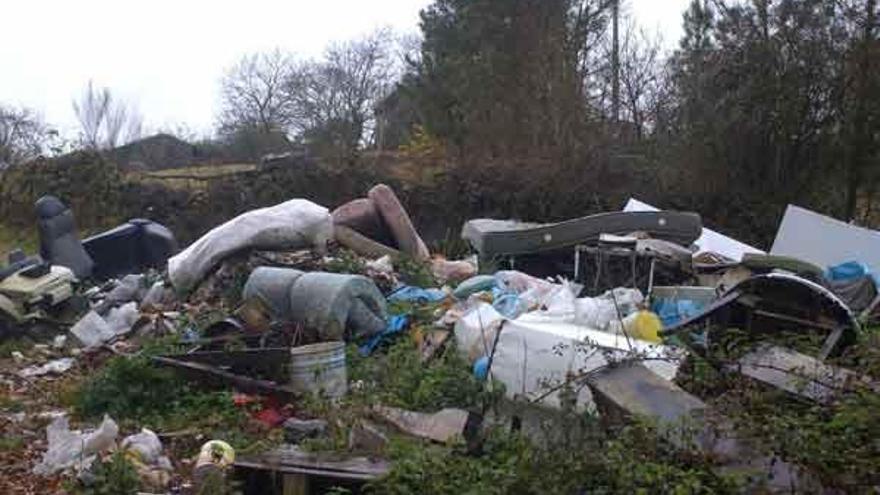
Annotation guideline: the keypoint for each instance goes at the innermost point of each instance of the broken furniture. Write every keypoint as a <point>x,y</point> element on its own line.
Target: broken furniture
<point>132,247</point>
<point>773,302</point>
<point>799,374</point>
<point>378,225</point>
<point>709,240</point>
<point>31,289</point>
<point>629,261</point>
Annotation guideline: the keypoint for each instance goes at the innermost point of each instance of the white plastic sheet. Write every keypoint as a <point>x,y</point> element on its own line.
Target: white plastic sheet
<point>57,366</point>
<point>710,241</point>
<point>294,224</point>
<point>536,352</point>
<point>824,241</point>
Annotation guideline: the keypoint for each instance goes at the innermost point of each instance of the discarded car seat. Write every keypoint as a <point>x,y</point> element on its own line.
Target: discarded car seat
<point>294,224</point>
<point>338,306</point>
<point>59,240</point>
<point>398,221</point>
<point>129,248</point>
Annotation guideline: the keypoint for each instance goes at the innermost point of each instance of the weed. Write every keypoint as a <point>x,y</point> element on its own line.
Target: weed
<point>113,476</point>
<point>346,261</point>
<point>509,463</point>
<point>9,404</point>
<point>400,378</point>
<point>451,246</point>
<point>415,272</point>
<point>10,345</point>
<point>135,392</point>
<point>11,442</point>
<point>129,388</point>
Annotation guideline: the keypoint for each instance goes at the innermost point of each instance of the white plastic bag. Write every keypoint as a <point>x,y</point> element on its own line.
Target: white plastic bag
<point>73,448</point>
<point>145,444</point>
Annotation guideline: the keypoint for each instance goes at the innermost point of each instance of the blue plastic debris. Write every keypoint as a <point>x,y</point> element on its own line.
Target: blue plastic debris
<point>473,285</point>
<point>396,324</point>
<point>417,294</point>
<point>671,311</point>
<point>481,368</point>
<point>508,304</point>
<point>850,270</point>
<point>847,271</point>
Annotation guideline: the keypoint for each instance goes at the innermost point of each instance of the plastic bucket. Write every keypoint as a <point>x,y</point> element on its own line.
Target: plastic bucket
<point>319,369</point>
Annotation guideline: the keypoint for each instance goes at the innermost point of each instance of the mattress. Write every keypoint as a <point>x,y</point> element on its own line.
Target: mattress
<point>491,237</point>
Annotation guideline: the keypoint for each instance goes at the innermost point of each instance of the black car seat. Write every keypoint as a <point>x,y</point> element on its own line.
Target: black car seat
<point>59,240</point>
<point>131,247</point>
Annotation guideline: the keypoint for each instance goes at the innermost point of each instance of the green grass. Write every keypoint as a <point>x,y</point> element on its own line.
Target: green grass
<point>139,394</point>
<point>205,170</point>
<point>16,237</point>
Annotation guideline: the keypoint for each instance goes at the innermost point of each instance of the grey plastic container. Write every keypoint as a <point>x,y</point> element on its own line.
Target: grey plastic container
<point>319,369</point>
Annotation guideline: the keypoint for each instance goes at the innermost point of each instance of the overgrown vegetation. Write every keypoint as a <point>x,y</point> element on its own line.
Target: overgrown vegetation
<point>137,393</point>
<point>112,476</point>
<point>633,461</point>
<point>399,378</point>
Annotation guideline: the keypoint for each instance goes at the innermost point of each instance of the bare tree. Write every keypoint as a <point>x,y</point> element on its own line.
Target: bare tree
<point>254,93</point>
<point>640,76</point>
<point>105,122</point>
<point>22,135</point>
<point>334,98</point>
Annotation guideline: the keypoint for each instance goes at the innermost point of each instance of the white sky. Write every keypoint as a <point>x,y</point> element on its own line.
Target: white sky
<point>167,56</point>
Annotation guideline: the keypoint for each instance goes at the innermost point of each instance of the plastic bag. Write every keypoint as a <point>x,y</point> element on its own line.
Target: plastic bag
<point>72,448</point>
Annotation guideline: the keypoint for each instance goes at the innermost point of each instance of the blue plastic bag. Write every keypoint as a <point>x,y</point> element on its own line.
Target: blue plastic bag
<point>417,294</point>
<point>396,324</point>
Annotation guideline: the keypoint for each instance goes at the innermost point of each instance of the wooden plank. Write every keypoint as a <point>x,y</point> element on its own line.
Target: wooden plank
<point>213,375</point>
<point>290,459</point>
<point>269,361</point>
<point>640,392</point>
<point>686,421</point>
<point>796,373</point>
<point>295,484</point>
<point>442,426</point>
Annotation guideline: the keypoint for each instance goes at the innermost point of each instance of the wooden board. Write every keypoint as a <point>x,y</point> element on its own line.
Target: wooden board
<point>442,426</point>
<point>796,373</point>
<point>289,459</point>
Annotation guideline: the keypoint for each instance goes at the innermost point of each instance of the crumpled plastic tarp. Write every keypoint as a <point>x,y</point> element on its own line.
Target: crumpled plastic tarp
<point>69,449</point>
<point>417,294</point>
<point>294,224</point>
<point>396,324</point>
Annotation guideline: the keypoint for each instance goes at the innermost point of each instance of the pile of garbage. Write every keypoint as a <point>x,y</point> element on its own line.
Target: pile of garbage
<point>297,283</point>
